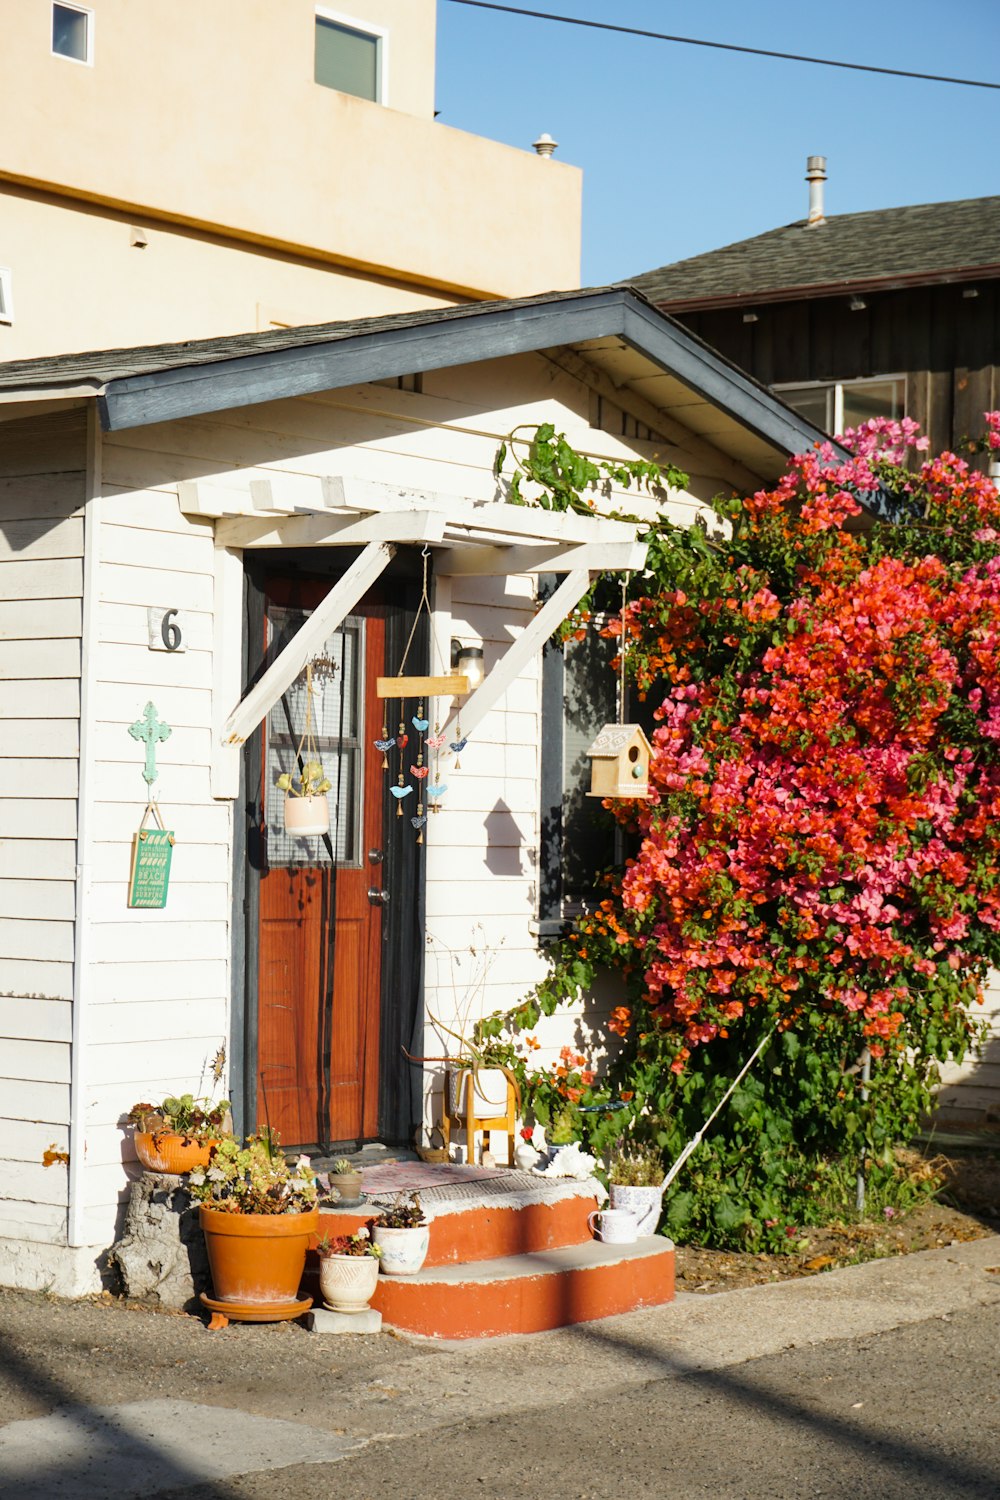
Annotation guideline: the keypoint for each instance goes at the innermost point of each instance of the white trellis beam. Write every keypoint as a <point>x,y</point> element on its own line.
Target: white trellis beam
<point>516,657</point>
<point>321,529</point>
<point>305,643</point>
<point>598,557</point>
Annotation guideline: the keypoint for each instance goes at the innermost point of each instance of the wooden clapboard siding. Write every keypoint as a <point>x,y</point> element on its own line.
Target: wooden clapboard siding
<point>159,980</point>
<point>36,1223</point>
<point>32,976</point>
<point>27,1019</point>
<point>40,619</point>
<point>60,737</point>
<point>42,493</point>
<point>28,1140</point>
<point>24,776</point>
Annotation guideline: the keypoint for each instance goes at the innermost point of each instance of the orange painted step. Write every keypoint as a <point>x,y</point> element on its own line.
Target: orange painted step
<point>486,1231</point>
<point>529,1293</point>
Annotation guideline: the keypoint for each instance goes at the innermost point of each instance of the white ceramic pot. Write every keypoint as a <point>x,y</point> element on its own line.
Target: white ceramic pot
<point>305,815</point>
<point>403,1250</point>
<point>645,1202</point>
<point>490,1091</point>
<point>347,1281</point>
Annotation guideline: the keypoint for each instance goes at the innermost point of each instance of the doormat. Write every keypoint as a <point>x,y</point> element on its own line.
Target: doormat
<point>418,1176</point>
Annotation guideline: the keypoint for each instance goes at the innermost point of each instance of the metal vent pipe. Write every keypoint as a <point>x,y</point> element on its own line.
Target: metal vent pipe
<point>816,176</point>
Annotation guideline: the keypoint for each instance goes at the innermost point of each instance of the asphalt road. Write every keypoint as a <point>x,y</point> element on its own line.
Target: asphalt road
<point>877,1381</point>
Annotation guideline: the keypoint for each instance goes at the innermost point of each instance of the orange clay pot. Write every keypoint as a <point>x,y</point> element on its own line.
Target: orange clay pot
<point>163,1151</point>
<point>256,1259</point>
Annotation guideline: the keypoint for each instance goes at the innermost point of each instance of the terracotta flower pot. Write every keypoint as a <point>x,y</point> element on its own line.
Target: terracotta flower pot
<point>165,1151</point>
<point>256,1259</point>
<point>348,1185</point>
<point>306,815</point>
<point>347,1281</point>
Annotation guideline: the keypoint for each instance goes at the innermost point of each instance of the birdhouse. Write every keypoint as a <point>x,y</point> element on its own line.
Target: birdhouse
<point>619,762</point>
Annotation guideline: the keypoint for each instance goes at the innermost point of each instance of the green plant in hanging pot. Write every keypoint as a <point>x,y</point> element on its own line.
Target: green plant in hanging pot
<point>306,808</point>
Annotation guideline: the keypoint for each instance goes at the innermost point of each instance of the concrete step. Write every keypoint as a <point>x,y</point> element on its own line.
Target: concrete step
<point>528,1293</point>
<point>514,1215</point>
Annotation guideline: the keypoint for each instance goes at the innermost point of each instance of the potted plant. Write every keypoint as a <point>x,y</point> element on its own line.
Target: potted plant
<point>487,1068</point>
<point>348,1270</point>
<point>403,1236</point>
<point>306,808</point>
<point>635,1183</point>
<point>258,1215</point>
<point>346,1179</point>
<point>177,1135</point>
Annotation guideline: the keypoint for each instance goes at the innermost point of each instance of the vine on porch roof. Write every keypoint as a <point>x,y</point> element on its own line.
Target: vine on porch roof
<point>559,479</point>
<point>821,852</point>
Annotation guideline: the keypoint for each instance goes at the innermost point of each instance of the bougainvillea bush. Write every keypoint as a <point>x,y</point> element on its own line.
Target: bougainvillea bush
<point>819,858</point>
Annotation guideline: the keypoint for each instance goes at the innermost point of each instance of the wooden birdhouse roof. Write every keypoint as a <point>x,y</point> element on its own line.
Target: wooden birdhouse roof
<point>614,738</point>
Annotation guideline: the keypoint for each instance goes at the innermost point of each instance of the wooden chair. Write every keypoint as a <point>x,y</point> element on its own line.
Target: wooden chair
<point>473,1122</point>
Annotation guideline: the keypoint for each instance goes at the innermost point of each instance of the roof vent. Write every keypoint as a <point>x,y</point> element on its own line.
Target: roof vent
<point>816,176</point>
<point>545,145</point>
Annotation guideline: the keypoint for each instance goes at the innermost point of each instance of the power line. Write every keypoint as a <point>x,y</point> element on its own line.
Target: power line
<point>693,41</point>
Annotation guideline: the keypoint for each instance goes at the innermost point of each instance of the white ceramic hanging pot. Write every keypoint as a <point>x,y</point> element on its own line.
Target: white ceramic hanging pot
<point>306,815</point>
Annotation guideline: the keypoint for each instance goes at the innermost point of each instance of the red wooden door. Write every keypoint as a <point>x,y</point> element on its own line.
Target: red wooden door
<point>320,939</point>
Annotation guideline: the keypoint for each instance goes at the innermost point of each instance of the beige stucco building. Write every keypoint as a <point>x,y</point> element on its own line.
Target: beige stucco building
<point>191,170</point>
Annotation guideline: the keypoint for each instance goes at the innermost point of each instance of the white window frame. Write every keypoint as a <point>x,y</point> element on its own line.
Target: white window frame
<point>364,28</point>
<point>83,10</point>
<point>838,388</point>
<point>7,299</point>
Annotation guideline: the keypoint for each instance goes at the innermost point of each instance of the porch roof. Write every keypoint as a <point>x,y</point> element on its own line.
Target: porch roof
<point>621,340</point>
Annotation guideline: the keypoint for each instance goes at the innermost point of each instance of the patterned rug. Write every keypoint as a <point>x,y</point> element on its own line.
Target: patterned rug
<point>420,1176</point>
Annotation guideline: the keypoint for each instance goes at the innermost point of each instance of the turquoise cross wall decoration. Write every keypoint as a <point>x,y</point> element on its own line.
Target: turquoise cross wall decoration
<point>150,731</point>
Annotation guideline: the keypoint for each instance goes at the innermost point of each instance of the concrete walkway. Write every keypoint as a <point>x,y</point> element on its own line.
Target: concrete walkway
<point>105,1402</point>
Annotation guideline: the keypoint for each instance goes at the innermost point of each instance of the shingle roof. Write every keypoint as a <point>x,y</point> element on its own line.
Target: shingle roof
<point>101,365</point>
<point>906,246</point>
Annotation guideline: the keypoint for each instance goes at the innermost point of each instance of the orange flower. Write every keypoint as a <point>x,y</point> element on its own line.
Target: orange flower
<point>620,1020</point>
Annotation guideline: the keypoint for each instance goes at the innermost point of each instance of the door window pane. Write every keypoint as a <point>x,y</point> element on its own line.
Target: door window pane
<point>338,696</point>
<point>347,60</point>
<point>70,32</point>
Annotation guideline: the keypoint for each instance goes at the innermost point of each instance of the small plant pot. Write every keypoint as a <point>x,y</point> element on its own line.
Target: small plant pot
<point>306,815</point>
<point>348,1281</point>
<point>489,1091</point>
<point>645,1202</point>
<point>165,1151</point>
<point>348,1185</point>
<point>403,1250</point>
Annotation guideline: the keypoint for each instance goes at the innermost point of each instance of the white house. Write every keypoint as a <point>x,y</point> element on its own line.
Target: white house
<point>259,503</point>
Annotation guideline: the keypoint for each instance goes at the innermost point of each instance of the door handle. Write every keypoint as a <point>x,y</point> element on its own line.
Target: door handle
<point>378,898</point>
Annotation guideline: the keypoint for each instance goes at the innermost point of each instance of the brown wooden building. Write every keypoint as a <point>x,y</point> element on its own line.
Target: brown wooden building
<point>895,312</point>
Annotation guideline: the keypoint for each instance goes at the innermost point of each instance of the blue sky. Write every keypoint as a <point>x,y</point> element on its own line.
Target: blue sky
<point>685,149</point>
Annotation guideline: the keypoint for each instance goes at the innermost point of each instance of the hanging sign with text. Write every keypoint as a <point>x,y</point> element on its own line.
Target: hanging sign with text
<point>152,849</point>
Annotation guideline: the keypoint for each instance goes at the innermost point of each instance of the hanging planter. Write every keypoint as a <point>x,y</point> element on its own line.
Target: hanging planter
<point>307,810</point>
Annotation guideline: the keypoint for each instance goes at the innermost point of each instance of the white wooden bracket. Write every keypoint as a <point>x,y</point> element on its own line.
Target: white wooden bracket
<point>516,657</point>
<point>305,643</point>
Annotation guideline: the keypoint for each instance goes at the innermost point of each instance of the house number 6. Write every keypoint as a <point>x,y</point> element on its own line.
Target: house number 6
<point>167,630</point>
<point>170,631</point>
